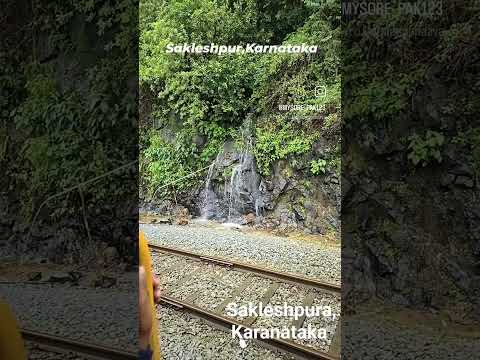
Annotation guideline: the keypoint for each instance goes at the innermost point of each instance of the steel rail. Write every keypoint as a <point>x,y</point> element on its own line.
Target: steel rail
<point>288,346</point>
<point>64,344</point>
<point>298,279</point>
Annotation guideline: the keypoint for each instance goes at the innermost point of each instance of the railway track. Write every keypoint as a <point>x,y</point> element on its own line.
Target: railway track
<point>66,345</point>
<point>218,319</point>
<point>63,345</point>
<point>263,271</point>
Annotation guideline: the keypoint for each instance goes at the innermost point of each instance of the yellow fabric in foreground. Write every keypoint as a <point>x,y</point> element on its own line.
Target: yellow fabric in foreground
<point>146,262</point>
<point>11,342</point>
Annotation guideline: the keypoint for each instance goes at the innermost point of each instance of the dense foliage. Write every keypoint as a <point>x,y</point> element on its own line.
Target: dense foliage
<point>414,76</point>
<point>66,104</point>
<point>198,101</point>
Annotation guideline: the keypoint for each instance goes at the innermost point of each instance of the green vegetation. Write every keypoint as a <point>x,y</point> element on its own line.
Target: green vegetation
<point>206,98</point>
<point>65,106</point>
<point>425,149</point>
<point>318,166</point>
<point>402,88</point>
<point>278,141</point>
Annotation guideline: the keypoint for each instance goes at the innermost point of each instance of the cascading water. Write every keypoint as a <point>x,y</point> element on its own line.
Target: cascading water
<point>208,206</point>
<point>241,193</point>
<point>209,176</point>
<point>259,206</point>
<point>235,181</point>
<point>244,193</point>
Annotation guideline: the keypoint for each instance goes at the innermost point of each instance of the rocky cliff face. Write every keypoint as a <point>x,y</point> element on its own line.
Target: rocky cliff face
<point>410,164</point>
<point>288,199</point>
<point>411,235</point>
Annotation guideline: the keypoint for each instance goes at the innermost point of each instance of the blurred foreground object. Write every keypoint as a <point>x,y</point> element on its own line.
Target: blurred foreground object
<point>11,342</point>
<point>145,261</point>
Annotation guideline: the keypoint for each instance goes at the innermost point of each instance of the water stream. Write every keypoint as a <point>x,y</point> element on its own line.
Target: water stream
<point>238,195</point>
<point>208,206</point>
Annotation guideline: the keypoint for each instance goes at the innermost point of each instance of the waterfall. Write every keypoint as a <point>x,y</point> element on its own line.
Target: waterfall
<point>209,200</point>
<point>235,182</point>
<point>244,190</point>
<point>241,194</point>
<point>209,177</point>
<point>259,206</point>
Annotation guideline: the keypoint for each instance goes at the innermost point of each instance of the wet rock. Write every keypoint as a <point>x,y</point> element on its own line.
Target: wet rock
<point>279,183</point>
<point>249,219</point>
<point>383,253</point>
<point>181,221</point>
<point>462,280</point>
<point>300,213</point>
<point>403,273</point>
<point>181,211</point>
<point>266,185</point>
<point>333,179</point>
<point>360,274</point>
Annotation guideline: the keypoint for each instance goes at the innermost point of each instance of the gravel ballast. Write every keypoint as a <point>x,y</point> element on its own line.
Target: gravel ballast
<point>377,338</point>
<point>102,316</point>
<point>283,254</point>
<point>209,285</point>
<point>184,337</point>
